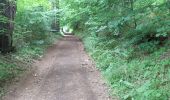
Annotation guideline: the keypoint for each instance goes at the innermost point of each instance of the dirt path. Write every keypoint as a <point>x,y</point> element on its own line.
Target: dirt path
<point>64,73</point>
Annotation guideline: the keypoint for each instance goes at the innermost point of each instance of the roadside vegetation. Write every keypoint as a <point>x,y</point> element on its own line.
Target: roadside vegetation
<point>35,30</point>
<point>129,41</point>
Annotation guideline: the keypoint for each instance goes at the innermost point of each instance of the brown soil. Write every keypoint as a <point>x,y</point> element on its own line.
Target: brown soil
<point>64,73</point>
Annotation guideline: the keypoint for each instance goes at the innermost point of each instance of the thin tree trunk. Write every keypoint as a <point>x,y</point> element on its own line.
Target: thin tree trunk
<point>132,8</point>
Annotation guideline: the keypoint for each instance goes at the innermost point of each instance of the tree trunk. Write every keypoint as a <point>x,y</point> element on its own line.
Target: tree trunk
<point>56,23</point>
<point>132,8</point>
<point>8,11</point>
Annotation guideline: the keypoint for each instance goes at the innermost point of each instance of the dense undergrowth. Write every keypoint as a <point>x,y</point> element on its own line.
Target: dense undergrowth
<point>31,37</point>
<point>132,77</point>
<point>129,41</point>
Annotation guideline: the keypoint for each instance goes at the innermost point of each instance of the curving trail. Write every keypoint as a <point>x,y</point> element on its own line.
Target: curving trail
<point>64,73</point>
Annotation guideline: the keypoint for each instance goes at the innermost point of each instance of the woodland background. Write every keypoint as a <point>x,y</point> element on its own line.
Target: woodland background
<point>128,39</point>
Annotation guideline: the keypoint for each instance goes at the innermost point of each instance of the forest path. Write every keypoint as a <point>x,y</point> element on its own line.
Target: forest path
<point>64,73</point>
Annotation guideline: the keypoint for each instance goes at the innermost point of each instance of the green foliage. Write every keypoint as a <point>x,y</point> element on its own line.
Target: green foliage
<point>126,38</point>
<point>140,78</point>
<point>8,71</point>
<point>34,23</point>
<point>23,5</point>
<point>119,17</point>
<point>31,37</point>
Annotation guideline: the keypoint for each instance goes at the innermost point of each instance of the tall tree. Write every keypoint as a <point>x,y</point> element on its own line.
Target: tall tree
<point>8,10</point>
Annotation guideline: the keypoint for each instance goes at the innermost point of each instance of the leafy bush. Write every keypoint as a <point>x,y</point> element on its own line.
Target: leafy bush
<point>34,24</point>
